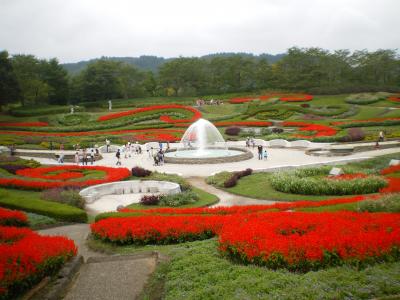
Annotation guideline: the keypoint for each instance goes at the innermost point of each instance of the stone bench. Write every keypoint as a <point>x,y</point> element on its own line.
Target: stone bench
<point>279,143</point>
<point>95,192</point>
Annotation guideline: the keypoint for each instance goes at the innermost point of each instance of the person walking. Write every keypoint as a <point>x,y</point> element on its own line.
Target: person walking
<point>118,156</point>
<point>260,152</point>
<point>61,158</point>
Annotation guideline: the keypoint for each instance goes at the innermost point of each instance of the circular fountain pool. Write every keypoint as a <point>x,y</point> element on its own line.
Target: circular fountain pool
<point>207,153</point>
<point>202,143</point>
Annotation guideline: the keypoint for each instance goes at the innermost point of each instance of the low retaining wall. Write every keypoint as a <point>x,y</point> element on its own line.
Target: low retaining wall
<point>209,160</point>
<point>93,193</point>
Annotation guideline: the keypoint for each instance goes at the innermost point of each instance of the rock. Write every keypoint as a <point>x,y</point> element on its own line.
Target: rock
<point>394,162</point>
<point>335,172</point>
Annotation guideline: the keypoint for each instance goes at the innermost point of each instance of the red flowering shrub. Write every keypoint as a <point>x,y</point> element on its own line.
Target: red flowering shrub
<point>320,130</point>
<point>24,124</point>
<point>26,257</point>
<point>62,177</point>
<point>156,229</point>
<point>12,218</point>
<point>308,241</point>
<point>165,118</point>
<point>348,176</point>
<point>366,122</point>
<point>394,182</point>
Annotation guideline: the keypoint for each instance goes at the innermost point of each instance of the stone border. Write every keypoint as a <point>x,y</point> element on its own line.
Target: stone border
<point>93,193</point>
<point>245,155</point>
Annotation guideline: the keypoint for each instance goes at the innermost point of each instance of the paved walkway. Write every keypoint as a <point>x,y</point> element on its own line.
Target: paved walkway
<point>277,158</point>
<point>104,277</point>
<point>226,199</point>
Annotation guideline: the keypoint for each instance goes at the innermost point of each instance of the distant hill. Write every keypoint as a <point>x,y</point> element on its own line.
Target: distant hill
<point>152,63</point>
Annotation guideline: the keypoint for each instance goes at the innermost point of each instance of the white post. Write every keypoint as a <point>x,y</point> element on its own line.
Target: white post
<point>109,105</point>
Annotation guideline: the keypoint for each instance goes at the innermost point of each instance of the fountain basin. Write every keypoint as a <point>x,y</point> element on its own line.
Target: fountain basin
<point>207,156</point>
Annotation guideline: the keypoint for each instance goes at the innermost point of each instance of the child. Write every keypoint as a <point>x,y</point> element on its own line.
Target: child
<point>265,154</point>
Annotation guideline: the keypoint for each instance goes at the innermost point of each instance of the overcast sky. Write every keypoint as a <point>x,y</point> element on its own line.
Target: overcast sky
<point>74,30</point>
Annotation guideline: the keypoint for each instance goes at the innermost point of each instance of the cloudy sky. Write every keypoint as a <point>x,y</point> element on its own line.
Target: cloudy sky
<point>74,30</point>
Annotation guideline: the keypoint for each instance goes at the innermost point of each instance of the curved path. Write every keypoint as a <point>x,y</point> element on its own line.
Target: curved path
<point>225,198</point>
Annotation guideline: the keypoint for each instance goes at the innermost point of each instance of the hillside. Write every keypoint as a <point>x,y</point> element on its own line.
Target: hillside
<point>152,63</point>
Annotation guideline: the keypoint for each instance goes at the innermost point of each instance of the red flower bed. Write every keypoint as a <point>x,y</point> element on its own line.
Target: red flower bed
<point>296,98</point>
<point>248,209</point>
<point>12,218</point>
<point>394,98</point>
<point>156,229</point>
<point>304,241</point>
<point>63,177</point>
<point>348,176</point>
<point>241,100</point>
<point>24,124</point>
<point>26,257</point>
<point>92,133</point>
<point>321,130</point>
<point>394,182</point>
<point>166,118</point>
<point>157,136</point>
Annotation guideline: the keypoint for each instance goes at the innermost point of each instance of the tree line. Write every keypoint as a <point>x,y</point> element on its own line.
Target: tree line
<point>30,81</point>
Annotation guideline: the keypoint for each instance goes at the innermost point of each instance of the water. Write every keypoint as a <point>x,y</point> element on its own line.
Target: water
<point>204,153</point>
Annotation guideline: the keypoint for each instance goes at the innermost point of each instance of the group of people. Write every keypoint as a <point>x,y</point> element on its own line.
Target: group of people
<point>84,156</point>
<point>201,102</point>
<point>262,152</point>
<point>250,142</point>
<point>129,149</point>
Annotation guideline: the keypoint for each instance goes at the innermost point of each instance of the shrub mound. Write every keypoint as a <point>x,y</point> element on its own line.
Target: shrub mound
<point>313,181</point>
<point>365,98</point>
<point>26,257</point>
<point>140,172</point>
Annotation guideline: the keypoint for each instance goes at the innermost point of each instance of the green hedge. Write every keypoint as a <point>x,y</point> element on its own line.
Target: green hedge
<point>311,182</point>
<point>25,111</point>
<point>388,203</point>
<point>30,202</point>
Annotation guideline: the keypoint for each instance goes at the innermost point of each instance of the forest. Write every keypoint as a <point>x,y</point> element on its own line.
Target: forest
<point>28,81</point>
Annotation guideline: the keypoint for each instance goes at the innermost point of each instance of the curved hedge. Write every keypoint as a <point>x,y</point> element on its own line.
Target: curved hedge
<point>310,182</point>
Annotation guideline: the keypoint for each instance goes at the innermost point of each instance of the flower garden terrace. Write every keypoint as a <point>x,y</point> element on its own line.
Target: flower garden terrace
<point>340,118</point>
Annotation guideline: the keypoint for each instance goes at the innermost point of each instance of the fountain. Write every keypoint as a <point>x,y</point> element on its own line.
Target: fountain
<point>202,143</point>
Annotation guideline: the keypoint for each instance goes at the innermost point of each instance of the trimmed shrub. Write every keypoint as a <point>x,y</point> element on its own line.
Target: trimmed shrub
<point>232,131</point>
<point>307,182</point>
<point>179,199</point>
<point>231,182</point>
<point>219,178</point>
<point>354,135</point>
<point>150,200</point>
<point>387,203</point>
<point>69,196</point>
<point>140,172</point>
<point>305,105</point>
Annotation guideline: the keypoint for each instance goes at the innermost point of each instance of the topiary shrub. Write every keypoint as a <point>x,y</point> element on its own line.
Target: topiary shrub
<point>231,182</point>
<point>69,196</point>
<point>305,105</point>
<point>179,199</point>
<point>140,172</point>
<point>387,203</point>
<point>354,135</point>
<point>150,200</point>
<point>232,131</point>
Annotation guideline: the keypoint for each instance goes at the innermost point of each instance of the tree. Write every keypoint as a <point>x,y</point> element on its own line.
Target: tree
<point>52,73</point>
<point>9,89</point>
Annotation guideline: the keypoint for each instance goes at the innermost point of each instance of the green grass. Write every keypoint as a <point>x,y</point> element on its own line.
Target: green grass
<point>30,201</point>
<point>39,221</point>
<point>197,270</point>
<point>205,199</point>
<point>257,186</point>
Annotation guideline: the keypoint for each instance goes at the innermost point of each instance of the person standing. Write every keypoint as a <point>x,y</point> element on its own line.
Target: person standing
<point>77,158</point>
<point>381,136</point>
<point>265,154</point>
<point>84,157</point>
<point>108,145</point>
<point>91,156</point>
<point>260,152</point>
<point>118,156</point>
